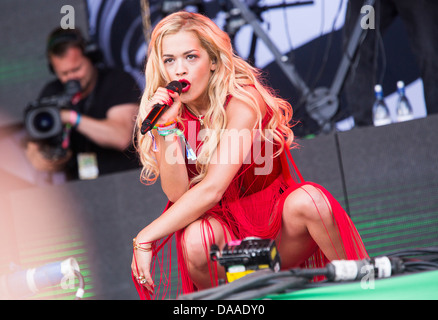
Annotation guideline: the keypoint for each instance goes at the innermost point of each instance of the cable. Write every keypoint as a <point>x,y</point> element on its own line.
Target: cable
<point>316,45</point>
<point>342,172</point>
<point>286,26</point>
<point>418,259</point>
<point>328,47</point>
<point>304,100</point>
<point>414,252</point>
<point>412,266</point>
<point>81,290</point>
<point>380,46</point>
<point>280,286</point>
<point>263,282</point>
<point>255,285</point>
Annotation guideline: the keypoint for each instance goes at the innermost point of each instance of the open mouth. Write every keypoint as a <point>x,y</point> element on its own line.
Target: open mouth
<point>185,85</point>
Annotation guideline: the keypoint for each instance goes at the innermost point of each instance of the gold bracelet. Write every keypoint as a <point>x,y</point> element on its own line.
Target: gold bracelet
<point>138,247</point>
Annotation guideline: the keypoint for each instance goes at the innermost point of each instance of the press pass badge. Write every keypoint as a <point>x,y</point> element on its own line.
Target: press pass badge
<point>87,166</point>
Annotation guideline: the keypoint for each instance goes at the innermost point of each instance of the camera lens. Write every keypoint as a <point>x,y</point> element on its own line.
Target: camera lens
<point>43,121</point>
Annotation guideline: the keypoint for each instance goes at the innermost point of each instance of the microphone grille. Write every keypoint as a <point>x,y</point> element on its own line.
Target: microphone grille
<point>175,86</point>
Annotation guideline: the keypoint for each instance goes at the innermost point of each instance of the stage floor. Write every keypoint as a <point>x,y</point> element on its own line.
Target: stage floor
<point>417,286</point>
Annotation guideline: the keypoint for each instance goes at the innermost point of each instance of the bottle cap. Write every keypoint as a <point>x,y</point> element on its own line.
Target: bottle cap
<point>400,84</point>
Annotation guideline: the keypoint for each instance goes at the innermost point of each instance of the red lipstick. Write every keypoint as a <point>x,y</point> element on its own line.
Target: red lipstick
<point>185,85</point>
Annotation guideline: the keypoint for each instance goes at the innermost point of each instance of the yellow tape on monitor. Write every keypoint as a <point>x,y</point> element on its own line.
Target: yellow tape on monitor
<point>237,272</point>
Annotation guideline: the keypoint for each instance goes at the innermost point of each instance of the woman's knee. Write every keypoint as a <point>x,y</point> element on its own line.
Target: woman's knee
<point>198,238</point>
<point>194,244</point>
<point>307,202</point>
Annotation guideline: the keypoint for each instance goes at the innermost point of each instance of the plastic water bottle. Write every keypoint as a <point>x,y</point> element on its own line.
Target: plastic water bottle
<point>404,108</point>
<point>381,114</point>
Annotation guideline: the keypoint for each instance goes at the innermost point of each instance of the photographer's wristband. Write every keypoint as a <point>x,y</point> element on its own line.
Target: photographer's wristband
<point>75,118</point>
<point>78,119</point>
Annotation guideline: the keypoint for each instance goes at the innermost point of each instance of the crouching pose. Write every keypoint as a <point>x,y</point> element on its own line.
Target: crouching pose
<point>221,153</point>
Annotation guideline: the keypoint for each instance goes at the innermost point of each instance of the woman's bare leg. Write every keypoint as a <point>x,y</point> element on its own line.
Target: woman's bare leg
<point>198,237</point>
<point>307,224</point>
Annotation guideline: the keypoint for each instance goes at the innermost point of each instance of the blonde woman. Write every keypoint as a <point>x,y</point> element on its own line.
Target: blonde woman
<point>220,152</point>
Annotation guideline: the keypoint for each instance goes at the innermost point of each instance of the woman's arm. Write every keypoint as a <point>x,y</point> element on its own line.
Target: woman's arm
<point>203,196</point>
<point>170,158</point>
<point>173,171</point>
<point>229,157</point>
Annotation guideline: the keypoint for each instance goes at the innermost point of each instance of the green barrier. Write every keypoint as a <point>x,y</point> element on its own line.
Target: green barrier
<point>418,286</point>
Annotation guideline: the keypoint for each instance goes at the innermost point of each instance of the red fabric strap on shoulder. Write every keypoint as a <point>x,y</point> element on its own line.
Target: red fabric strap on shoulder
<point>285,155</point>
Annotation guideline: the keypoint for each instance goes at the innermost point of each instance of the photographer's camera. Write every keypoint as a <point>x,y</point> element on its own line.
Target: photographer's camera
<point>43,121</point>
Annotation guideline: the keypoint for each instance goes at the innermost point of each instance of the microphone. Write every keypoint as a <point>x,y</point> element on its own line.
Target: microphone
<point>158,109</point>
<point>28,282</point>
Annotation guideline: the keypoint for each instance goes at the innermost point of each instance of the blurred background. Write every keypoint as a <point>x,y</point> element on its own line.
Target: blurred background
<point>386,177</point>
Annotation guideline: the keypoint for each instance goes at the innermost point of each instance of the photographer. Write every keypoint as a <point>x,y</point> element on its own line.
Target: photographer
<point>98,124</point>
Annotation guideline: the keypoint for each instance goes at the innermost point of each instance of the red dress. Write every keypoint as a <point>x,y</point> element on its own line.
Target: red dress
<point>251,206</point>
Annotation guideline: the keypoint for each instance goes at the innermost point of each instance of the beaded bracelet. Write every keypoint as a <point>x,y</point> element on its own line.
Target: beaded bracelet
<point>165,131</point>
<point>172,122</point>
<point>168,129</point>
<point>162,131</point>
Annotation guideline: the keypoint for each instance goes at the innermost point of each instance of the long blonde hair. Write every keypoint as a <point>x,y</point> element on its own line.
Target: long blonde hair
<point>230,77</point>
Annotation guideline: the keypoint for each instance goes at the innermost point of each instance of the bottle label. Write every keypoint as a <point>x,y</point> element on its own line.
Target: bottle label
<point>382,122</point>
<point>405,117</point>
